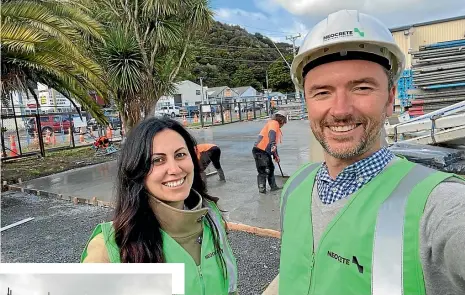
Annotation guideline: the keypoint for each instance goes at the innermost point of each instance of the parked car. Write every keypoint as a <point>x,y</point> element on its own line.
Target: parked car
<point>115,123</point>
<point>51,123</point>
<point>191,111</point>
<point>172,111</point>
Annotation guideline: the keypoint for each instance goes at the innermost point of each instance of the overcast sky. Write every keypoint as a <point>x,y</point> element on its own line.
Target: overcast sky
<point>278,18</point>
<point>86,284</point>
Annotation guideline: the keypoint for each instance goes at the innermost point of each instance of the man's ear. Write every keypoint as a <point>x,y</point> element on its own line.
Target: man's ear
<point>390,101</point>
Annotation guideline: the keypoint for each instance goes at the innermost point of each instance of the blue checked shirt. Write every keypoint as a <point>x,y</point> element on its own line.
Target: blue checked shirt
<point>352,178</point>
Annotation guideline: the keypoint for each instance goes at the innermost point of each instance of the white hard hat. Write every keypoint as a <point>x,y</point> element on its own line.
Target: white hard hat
<point>282,113</point>
<point>347,34</point>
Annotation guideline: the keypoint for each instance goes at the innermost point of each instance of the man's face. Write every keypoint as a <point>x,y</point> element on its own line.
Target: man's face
<point>348,102</point>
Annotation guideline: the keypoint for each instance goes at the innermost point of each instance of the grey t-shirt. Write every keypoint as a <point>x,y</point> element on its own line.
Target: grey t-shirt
<point>442,235</point>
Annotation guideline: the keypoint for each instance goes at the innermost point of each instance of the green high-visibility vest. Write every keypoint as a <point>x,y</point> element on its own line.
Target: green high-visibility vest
<point>370,247</point>
<point>204,279</point>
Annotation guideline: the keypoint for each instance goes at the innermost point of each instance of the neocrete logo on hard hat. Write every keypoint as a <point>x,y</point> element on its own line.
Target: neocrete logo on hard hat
<point>344,34</point>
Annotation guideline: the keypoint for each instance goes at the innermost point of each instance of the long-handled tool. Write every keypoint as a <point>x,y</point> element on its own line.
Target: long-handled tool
<point>284,177</point>
<point>282,174</point>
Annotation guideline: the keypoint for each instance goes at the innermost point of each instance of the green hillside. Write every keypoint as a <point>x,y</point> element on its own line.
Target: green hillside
<point>230,56</point>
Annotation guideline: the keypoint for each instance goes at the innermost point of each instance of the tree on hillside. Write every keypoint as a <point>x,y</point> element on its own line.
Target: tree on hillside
<point>244,77</point>
<point>279,76</point>
<point>145,48</point>
<point>225,49</point>
<point>42,41</point>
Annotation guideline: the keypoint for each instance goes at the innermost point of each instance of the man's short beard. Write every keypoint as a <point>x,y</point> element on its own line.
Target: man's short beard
<point>366,142</point>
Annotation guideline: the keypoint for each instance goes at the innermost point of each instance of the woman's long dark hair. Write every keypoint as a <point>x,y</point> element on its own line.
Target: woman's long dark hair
<point>137,230</point>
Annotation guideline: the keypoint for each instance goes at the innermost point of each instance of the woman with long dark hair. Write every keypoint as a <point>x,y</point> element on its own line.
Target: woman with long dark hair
<point>163,213</point>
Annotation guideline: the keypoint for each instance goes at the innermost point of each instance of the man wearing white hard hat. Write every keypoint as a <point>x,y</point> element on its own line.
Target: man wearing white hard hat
<point>364,221</point>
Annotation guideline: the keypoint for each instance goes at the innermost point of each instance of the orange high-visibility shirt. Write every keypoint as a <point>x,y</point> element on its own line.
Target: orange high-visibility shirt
<point>203,147</point>
<point>269,136</point>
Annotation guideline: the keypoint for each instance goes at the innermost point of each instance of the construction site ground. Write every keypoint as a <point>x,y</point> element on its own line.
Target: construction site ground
<point>60,228</point>
<point>33,167</point>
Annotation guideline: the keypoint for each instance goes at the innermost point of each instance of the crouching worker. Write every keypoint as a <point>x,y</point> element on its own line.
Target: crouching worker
<point>163,214</point>
<point>209,153</point>
<point>265,148</point>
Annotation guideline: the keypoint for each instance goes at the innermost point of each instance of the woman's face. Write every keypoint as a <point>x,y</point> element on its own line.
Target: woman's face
<point>172,171</point>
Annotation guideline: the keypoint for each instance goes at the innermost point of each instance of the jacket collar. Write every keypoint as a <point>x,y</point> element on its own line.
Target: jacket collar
<point>179,223</point>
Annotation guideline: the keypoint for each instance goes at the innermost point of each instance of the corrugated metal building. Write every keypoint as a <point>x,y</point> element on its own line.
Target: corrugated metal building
<point>411,37</point>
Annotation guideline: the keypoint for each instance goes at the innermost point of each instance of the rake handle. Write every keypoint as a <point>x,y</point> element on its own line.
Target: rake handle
<point>279,165</point>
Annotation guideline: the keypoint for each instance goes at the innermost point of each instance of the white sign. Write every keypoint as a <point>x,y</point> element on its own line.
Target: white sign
<point>206,109</point>
<point>78,122</point>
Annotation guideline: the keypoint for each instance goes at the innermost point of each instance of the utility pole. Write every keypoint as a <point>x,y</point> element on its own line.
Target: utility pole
<point>268,102</point>
<point>201,88</point>
<point>292,39</point>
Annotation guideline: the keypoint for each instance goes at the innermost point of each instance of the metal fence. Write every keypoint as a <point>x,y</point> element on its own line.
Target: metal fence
<point>37,134</point>
<point>226,113</point>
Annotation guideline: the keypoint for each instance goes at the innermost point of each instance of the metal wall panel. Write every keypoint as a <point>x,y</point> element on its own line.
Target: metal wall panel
<point>402,41</point>
<point>428,34</point>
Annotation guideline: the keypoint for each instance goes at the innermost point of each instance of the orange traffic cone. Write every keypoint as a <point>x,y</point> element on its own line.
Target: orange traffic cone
<point>184,121</point>
<point>54,139</point>
<point>69,135</point>
<point>109,132</point>
<point>13,149</point>
<point>81,137</point>
<point>36,138</point>
<point>47,136</point>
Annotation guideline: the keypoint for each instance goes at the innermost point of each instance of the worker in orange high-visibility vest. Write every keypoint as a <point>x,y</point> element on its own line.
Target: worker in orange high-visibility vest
<point>209,153</point>
<point>265,148</point>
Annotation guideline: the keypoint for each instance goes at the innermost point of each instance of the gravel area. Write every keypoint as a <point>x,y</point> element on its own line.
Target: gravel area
<point>257,261</point>
<point>57,234</point>
<point>60,230</point>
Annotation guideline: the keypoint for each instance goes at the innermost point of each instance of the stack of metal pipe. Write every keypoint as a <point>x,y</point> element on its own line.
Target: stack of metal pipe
<point>438,72</point>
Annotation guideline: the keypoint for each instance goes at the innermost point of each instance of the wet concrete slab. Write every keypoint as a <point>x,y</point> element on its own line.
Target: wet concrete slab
<point>86,182</point>
<point>238,195</point>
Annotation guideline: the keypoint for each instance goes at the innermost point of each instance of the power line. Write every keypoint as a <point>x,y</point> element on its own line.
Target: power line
<point>239,60</point>
<point>240,47</point>
<point>266,29</point>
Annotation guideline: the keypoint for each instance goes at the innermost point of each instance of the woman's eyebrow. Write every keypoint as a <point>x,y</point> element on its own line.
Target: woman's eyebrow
<point>163,154</point>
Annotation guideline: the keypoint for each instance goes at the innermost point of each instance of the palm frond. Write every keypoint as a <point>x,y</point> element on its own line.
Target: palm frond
<point>123,61</point>
<point>77,18</point>
<point>159,8</point>
<point>167,32</point>
<point>36,15</point>
<point>199,16</point>
<point>20,37</point>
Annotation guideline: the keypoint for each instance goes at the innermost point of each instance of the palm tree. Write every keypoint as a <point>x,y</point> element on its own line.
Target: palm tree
<point>43,41</point>
<point>145,48</point>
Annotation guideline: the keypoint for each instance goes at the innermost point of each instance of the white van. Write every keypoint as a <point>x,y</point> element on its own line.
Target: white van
<point>172,111</point>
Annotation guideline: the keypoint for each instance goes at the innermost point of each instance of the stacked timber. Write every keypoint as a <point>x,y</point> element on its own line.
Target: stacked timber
<point>438,76</point>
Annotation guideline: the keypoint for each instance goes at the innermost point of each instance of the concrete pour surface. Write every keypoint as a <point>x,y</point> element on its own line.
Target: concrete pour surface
<point>238,195</point>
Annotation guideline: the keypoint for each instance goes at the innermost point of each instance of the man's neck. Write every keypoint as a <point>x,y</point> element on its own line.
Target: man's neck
<point>335,165</point>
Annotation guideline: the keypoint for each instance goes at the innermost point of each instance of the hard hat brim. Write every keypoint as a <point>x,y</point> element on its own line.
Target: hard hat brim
<point>396,57</point>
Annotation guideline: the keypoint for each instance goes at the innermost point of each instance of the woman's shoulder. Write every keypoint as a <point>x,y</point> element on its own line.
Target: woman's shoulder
<point>97,250</point>
<point>212,203</point>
